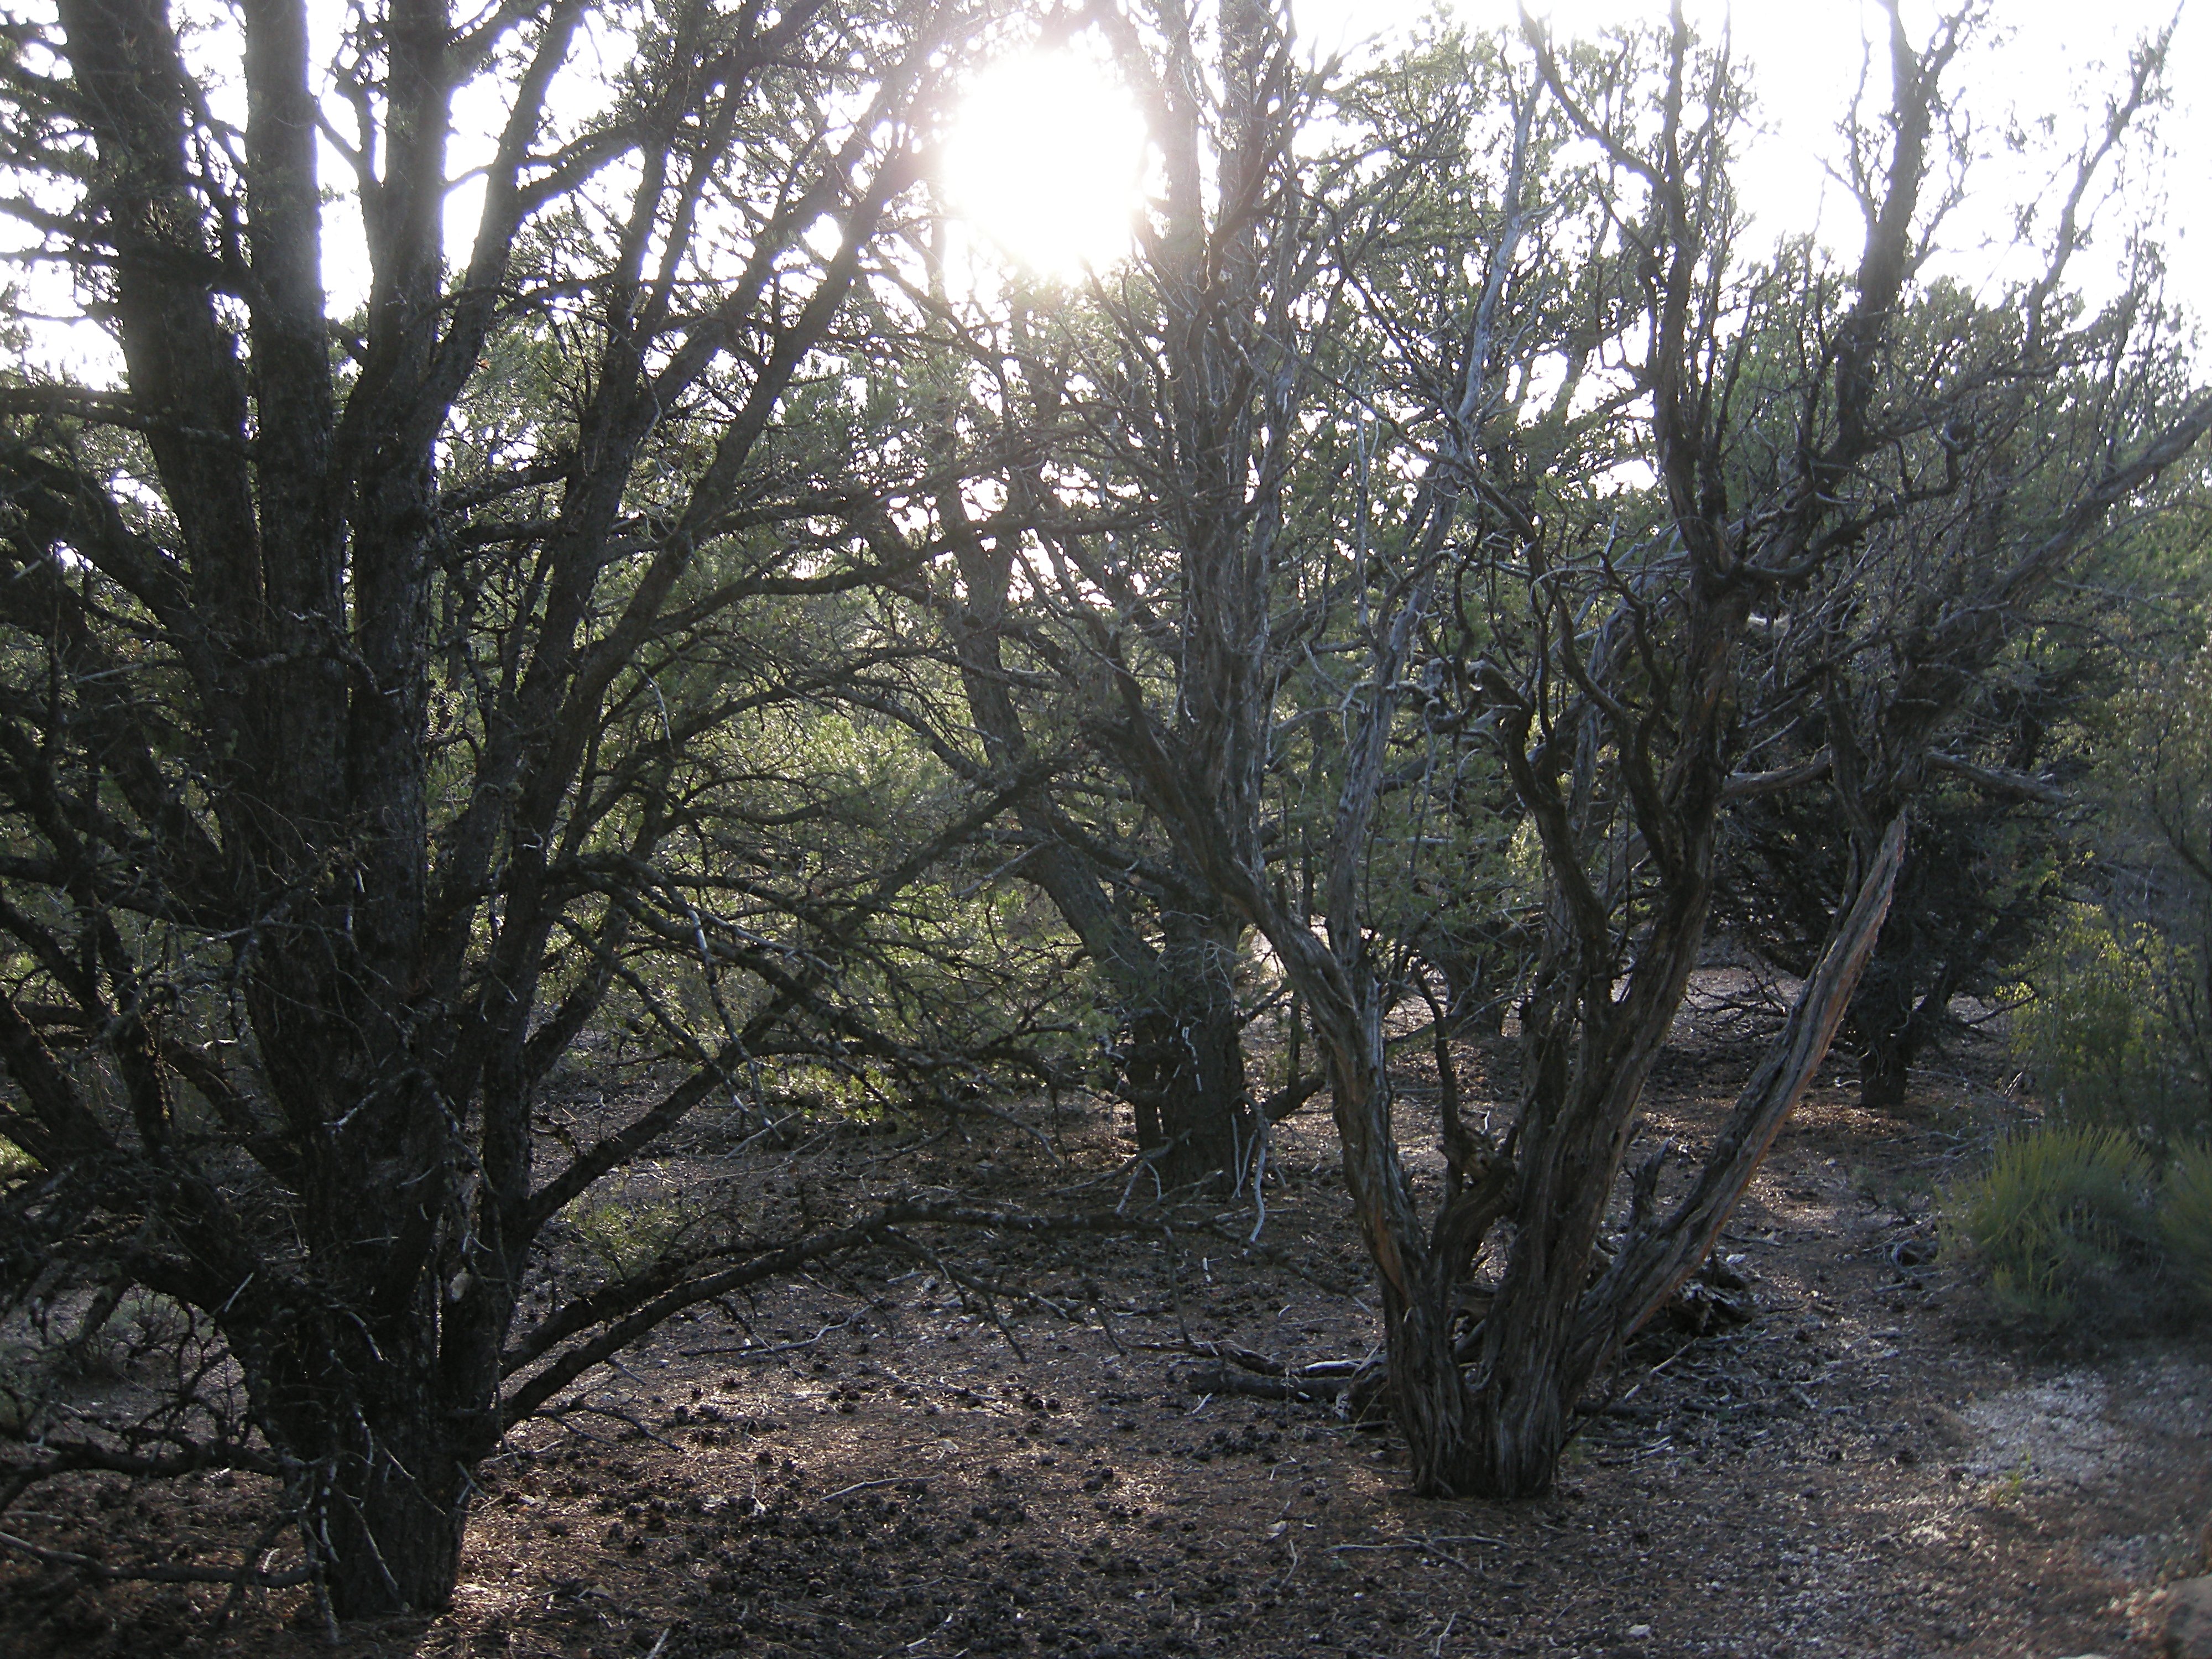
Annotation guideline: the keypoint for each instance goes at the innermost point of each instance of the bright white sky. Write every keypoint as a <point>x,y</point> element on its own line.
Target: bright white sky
<point>2036,59</point>
<point>1048,160</point>
<point>1041,160</point>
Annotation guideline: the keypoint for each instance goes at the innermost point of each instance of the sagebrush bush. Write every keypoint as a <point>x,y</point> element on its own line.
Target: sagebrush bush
<point>2063,1224</point>
<point>2185,1219</point>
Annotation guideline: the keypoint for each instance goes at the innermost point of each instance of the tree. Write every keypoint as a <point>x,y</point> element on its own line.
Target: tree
<point>2117,1032</point>
<point>379,696</point>
<point>1992,840</point>
<point>1138,438</point>
<point>1786,418</point>
<point>1795,419</point>
<point>1944,663</point>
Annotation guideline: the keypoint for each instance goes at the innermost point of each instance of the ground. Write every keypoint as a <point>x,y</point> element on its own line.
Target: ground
<point>877,1463</point>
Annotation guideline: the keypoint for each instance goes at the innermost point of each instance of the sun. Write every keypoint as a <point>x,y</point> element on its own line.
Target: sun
<point>1046,163</point>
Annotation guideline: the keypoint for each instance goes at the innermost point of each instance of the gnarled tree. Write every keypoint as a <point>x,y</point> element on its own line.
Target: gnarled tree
<point>1609,641</point>
<point>370,728</point>
<point>1138,437</point>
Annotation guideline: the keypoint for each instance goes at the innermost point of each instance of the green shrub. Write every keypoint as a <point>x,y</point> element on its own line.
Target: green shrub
<point>2099,1035</point>
<point>2184,1218</point>
<point>2062,1223</point>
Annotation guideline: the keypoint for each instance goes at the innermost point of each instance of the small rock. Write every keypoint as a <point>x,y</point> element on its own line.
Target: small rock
<point>2178,1619</point>
<point>1640,1632</point>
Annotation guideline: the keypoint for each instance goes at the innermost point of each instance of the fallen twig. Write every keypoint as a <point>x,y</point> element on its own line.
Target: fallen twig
<point>248,1576</point>
<point>754,1350</point>
<point>863,1485</point>
<point>1430,1544</point>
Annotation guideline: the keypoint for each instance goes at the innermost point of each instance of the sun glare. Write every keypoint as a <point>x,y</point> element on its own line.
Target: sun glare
<point>1046,163</point>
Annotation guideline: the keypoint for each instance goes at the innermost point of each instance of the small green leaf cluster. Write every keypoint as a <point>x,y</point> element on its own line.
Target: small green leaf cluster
<point>627,1236</point>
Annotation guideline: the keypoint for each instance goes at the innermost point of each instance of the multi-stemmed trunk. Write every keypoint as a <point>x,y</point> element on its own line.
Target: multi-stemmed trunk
<point>253,829</point>
<point>1490,1415</point>
<point>379,1459</point>
<point>371,1361</point>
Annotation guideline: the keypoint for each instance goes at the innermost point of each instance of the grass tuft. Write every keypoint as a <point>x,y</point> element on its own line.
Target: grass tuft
<point>2063,1225</point>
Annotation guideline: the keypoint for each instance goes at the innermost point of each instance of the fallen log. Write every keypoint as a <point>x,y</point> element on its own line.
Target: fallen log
<point>1315,1384</point>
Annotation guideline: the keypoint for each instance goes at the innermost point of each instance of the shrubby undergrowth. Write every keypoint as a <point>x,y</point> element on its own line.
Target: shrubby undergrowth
<point>2105,1038</point>
<point>2077,1229</point>
<point>2185,1222</point>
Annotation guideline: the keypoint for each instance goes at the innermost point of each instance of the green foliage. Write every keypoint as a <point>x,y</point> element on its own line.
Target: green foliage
<point>14,1161</point>
<point>2062,1223</point>
<point>2099,1037</point>
<point>2185,1219</point>
<point>630,1234</point>
<point>2074,1229</point>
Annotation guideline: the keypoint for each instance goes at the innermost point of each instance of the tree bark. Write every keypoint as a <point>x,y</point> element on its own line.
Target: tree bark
<point>1185,1071</point>
<point>1885,1066</point>
<point>391,1526</point>
<point>362,1409</point>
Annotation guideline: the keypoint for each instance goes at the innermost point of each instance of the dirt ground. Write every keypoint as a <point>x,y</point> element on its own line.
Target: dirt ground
<point>875,1463</point>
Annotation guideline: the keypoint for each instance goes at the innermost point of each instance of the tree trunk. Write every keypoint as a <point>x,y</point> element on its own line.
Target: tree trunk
<point>1524,1429</point>
<point>1184,1071</point>
<point>385,1456</point>
<point>1884,1067</point>
<point>1418,1270</point>
<point>1890,1029</point>
<point>392,1530</point>
<point>1903,1003</point>
<point>1182,1066</point>
<point>1434,1408</point>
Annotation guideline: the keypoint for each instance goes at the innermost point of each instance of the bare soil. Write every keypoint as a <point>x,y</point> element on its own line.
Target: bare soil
<point>878,1462</point>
